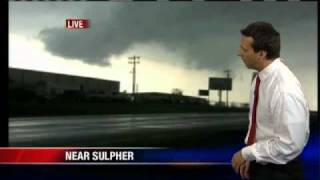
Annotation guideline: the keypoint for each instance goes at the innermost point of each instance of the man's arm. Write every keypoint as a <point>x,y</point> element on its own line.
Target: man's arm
<point>291,130</point>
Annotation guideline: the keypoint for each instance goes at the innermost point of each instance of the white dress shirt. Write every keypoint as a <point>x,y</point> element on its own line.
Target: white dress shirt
<point>282,117</point>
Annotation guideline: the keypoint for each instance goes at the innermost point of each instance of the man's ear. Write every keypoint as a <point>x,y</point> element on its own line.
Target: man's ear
<point>263,54</point>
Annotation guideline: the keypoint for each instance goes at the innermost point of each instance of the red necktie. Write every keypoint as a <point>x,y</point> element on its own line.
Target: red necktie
<point>252,134</point>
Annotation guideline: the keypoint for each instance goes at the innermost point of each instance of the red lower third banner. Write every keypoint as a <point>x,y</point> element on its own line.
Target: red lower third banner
<point>111,155</point>
<point>31,155</point>
<point>66,155</point>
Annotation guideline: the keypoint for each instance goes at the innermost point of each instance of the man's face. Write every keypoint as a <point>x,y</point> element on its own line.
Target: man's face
<point>247,54</point>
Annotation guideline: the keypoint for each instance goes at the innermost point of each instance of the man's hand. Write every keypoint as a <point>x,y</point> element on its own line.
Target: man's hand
<point>237,161</point>
<point>244,170</point>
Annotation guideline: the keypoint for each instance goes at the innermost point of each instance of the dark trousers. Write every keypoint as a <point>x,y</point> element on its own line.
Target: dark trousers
<point>291,170</point>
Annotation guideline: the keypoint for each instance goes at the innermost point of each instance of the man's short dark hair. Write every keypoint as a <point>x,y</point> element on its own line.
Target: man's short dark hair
<point>265,38</point>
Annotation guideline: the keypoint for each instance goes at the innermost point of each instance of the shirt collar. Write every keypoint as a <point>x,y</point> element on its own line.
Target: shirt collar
<point>268,70</point>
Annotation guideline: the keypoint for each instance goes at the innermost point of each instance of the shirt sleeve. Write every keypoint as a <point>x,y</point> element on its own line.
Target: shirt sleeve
<point>291,132</point>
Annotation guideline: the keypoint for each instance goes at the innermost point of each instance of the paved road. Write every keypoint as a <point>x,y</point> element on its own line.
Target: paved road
<point>109,130</point>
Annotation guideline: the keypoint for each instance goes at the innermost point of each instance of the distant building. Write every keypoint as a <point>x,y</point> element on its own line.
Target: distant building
<point>51,84</point>
<point>169,98</point>
<point>240,105</point>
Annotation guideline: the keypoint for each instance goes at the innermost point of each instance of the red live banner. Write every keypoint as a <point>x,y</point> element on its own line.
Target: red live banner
<point>31,155</point>
<point>77,23</point>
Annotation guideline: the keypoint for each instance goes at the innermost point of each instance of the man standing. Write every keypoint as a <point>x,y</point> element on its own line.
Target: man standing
<point>279,114</point>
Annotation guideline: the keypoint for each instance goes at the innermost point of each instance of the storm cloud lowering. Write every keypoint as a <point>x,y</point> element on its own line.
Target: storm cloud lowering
<point>205,35</point>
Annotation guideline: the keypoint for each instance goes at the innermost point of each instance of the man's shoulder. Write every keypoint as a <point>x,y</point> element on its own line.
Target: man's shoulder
<point>284,77</point>
<point>285,84</point>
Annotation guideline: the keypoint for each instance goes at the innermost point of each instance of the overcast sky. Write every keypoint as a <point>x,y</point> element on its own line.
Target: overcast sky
<point>181,44</point>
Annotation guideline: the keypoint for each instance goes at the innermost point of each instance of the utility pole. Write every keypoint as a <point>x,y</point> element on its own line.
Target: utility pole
<point>220,95</point>
<point>134,60</point>
<point>228,76</point>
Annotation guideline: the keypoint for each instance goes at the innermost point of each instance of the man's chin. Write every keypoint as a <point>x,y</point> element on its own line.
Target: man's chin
<point>248,66</point>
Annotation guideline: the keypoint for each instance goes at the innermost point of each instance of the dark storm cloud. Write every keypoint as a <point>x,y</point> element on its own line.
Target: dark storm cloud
<point>206,35</point>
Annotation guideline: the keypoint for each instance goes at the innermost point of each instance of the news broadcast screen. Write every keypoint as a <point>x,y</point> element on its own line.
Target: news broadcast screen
<point>115,86</point>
